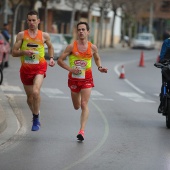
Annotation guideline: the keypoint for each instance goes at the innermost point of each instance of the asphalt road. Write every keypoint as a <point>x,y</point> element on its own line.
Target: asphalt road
<point>124,130</point>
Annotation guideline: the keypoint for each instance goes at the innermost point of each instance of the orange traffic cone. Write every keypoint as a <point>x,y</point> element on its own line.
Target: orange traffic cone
<point>141,63</point>
<point>122,74</point>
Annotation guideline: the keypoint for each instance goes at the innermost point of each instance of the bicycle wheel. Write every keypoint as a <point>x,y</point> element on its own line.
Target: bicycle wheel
<point>1,76</point>
<point>168,114</point>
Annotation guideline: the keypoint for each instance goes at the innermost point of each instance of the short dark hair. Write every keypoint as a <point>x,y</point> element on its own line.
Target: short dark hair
<point>85,23</point>
<point>5,24</point>
<point>33,13</point>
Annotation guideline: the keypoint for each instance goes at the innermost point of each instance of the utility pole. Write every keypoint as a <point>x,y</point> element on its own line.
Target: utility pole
<point>5,11</point>
<point>151,18</point>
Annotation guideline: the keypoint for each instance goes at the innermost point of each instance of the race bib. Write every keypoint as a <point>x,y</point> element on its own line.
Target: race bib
<point>34,59</point>
<point>81,74</point>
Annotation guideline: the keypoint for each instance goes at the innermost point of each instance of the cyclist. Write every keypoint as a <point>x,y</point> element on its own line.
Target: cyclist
<point>164,55</point>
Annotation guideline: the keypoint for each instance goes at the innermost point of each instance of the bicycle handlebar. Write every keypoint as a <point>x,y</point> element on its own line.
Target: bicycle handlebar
<point>163,64</point>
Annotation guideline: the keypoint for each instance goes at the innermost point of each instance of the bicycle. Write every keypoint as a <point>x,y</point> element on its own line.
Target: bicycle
<point>1,76</point>
<point>164,106</point>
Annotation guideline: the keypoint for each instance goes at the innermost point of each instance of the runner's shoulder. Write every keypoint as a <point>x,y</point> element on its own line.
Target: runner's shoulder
<point>45,35</point>
<point>94,48</point>
<point>70,47</point>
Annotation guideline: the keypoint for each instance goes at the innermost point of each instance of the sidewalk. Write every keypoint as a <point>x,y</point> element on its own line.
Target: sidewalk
<point>8,121</point>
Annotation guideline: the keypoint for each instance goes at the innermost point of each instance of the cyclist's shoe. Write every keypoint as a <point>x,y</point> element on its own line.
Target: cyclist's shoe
<point>36,124</point>
<point>160,109</point>
<point>80,135</point>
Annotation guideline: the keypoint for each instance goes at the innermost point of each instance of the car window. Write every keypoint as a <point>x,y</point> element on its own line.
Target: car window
<point>55,39</point>
<point>144,37</point>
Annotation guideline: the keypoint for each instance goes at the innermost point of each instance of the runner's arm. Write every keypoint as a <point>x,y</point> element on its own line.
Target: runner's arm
<point>47,40</point>
<point>16,52</point>
<point>63,56</point>
<point>98,60</point>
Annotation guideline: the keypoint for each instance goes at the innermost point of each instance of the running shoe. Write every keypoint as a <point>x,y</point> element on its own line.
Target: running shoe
<point>80,135</point>
<point>36,124</point>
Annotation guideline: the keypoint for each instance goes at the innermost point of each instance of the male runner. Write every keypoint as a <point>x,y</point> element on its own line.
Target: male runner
<point>80,79</point>
<point>29,46</point>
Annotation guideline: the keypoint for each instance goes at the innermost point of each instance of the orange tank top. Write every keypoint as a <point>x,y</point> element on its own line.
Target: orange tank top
<point>83,61</point>
<point>36,63</point>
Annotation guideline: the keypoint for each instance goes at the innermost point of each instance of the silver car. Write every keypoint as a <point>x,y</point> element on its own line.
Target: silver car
<point>144,40</point>
<point>59,43</point>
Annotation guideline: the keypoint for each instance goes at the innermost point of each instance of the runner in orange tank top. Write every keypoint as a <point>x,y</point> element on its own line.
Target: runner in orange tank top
<point>80,79</point>
<point>29,46</point>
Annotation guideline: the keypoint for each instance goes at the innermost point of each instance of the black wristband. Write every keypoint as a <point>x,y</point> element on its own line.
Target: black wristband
<point>52,58</point>
<point>99,67</point>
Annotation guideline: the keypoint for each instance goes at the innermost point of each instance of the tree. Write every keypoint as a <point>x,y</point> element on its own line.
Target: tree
<point>131,10</point>
<point>89,4</point>
<point>16,4</point>
<point>115,4</point>
<point>103,5</point>
<point>73,4</point>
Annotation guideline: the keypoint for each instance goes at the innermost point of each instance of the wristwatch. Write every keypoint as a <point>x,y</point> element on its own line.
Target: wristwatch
<point>99,67</point>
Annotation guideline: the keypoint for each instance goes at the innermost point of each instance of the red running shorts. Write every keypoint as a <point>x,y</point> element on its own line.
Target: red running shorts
<point>27,79</point>
<point>76,86</point>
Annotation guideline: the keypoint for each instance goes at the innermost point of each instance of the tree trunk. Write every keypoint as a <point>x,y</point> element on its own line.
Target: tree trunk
<point>112,31</point>
<point>14,23</point>
<point>72,17</point>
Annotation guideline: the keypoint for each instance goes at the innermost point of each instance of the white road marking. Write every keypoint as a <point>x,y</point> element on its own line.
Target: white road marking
<point>96,93</point>
<point>59,97</point>
<point>156,94</point>
<point>98,96</point>
<point>102,99</point>
<point>133,86</point>
<point>100,143</point>
<point>11,88</point>
<point>56,93</point>
<point>51,91</point>
<point>127,81</point>
<point>12,95</point>
<point>135,97</point>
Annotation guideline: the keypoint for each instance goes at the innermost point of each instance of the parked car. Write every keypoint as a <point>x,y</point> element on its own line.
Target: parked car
<point>144,40</point>
<point>5,51</point>
<point>59,43</point>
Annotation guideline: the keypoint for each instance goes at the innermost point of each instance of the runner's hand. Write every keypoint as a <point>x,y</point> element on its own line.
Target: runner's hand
<point>75,70</point>
<point>29,53</point>
<point>103,70</point>
<point>52,62</point>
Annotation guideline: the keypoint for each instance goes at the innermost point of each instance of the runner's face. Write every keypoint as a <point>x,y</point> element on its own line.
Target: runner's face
<point>33,22</point>
<point>82,31</point>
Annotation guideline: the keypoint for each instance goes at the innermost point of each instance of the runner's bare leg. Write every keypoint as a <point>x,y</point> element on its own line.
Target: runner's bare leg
<point>85,95</point>
<point>33,94</point>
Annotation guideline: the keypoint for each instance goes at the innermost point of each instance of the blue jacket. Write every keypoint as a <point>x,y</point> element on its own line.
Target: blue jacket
<point>6,34</point>
<point>165,50</point>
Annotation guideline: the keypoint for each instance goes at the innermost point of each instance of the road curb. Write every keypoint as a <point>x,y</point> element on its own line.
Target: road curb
<point>8,121</point>
<point>3,123</point>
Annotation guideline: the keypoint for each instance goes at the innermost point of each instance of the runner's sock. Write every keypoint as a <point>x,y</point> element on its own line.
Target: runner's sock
<point>35,116</point>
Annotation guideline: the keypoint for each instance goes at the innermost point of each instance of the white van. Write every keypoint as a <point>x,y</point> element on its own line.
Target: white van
<point>143,40</point>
